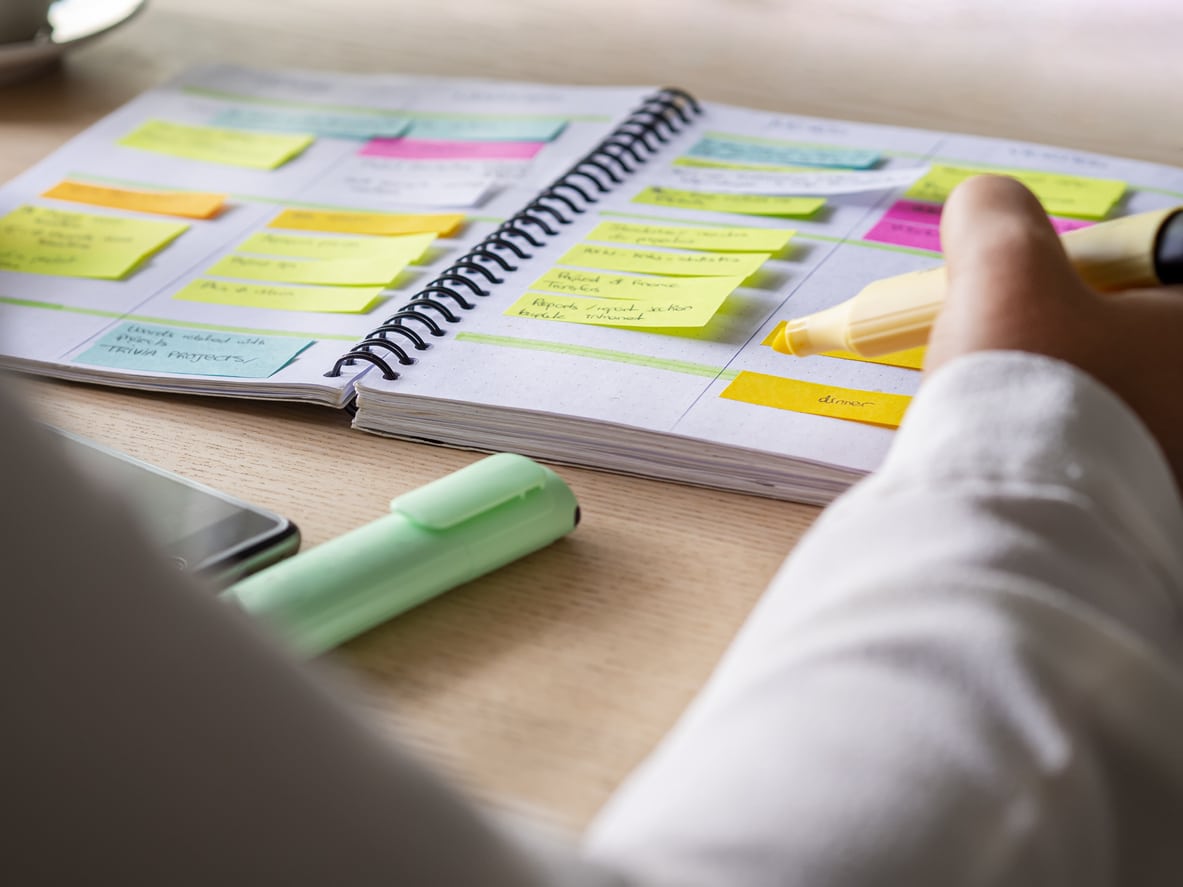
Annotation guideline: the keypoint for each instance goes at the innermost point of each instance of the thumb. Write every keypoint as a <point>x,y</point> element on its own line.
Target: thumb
<point>1008,276</point>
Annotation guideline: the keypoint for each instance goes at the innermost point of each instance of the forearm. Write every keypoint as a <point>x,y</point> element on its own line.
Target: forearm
<point>927,691</point>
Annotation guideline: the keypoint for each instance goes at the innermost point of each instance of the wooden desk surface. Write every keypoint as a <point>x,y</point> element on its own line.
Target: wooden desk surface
<point>540,687</point>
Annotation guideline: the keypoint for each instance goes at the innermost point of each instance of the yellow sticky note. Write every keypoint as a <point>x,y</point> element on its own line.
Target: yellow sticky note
<point>72,230</point>
<point>213,144</point>
<point>409,247</point>
<point>750,204</point>
<point>665,312</point>
<point>335,299</point>
<point>873,407</point>
<point>618,286</point>
<point>443,224</point>
<point>189,204</point>
<point>340,272</point>
<point>33,259</point>
<point>735,240</point>
<point>642,261</point>
<point>1060,194</point>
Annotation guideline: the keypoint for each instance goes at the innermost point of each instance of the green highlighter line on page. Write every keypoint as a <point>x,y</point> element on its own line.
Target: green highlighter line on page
<point>439,536</point>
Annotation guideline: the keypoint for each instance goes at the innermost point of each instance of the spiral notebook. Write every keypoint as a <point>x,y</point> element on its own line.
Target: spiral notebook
<point>586,275</point>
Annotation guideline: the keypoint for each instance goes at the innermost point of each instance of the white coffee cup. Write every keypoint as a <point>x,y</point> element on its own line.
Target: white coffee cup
<point>23,20</point>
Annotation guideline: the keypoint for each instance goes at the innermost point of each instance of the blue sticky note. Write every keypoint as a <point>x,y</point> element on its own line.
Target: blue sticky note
<point>486,129</point>
<point>152,348</point>
<point>333,126</point>
<point>740,151</point>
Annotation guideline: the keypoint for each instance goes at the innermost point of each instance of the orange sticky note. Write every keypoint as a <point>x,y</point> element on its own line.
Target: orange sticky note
<point>443,224</point>
<point>188,204</point>
<point>872,407</point>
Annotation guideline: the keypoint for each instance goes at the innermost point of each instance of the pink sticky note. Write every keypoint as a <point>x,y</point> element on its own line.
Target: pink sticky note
<point>438,149</point>
<point>903,233</point>
<point>915,211</point>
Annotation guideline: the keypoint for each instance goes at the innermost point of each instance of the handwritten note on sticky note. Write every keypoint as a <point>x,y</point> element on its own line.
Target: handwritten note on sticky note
<point>301,246</point>
<point>643,261</point>
<point>735,240</point>
<point>336,125</point>
<point>749,204</point>
<point>771,151</point>
<point>335,299</point>
<point>152,348</point>
<point>444,149</point>
<point>188,204</point>
<point>443,224</point>
<point>813,183</point>
<point>487,129</point>
<point>619,286</point>
<point>212,144</point>
<point>873,407</point>
<point>338,272</point>
<point>1060,194</point>
<point>45,241</point>
<point>656,312</point>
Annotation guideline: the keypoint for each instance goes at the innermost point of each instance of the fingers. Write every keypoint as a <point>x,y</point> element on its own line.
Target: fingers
<point>1010,284</point>
<point>999,244</point>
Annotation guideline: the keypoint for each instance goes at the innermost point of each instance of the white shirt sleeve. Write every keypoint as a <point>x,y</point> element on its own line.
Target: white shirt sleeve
<point>967,672</point>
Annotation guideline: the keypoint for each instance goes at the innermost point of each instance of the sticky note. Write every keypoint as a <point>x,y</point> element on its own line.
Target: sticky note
<point>737,240</point>
<point>330,125</point>
<point>445,149</point>
<point>443,224</point>
<point>811,183</point>
<point>339,272</point>
<point>188,204</point>
<point>873,407</point>
<point>487,129</point>
<point>212,144</point>
<point>703,163</point>
<point>642,261</point>
<point>669,312</point>
<point>771,151</point>
<point>46,241</point>
<point>1060,194</point>
<point>335,299</point>
<point>619,286</point>
<point>152,348</point>
<point>301,246</point>
<point>750,204</point>
<point>912,235</point>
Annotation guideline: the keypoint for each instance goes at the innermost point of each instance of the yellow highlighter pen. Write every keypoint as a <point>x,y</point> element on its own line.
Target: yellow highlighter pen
<point>898,312</point>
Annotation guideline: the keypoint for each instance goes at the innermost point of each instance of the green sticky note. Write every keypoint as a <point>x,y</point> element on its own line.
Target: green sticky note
<point>643,261</point>
<point>334,272</point>
<point>487,129</point>
<point>1061,194</point>
<point>738,149</point>
<point>71,244</point>
<point>606,285</point>
<point>750,204</point>
<point>669,312</point>
<point>737,240</point>
<point>212,144</point>
<point>335,125</point>
<point>408,247</point>
<point>153,348</point>
<point>333,299</point>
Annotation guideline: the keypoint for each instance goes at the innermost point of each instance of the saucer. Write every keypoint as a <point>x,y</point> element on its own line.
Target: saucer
<point>74,22</point>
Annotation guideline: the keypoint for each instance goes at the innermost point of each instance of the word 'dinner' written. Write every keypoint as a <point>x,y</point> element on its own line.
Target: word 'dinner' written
<point>153,348</point>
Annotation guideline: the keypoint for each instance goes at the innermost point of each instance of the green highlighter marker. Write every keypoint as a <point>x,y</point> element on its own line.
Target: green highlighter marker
<point>435,538</point>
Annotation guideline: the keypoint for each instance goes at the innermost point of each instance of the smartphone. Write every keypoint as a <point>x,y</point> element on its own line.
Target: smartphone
<point>204,531</point>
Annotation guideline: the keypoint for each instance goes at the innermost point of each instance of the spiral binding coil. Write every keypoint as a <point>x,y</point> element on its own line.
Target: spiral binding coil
<point>456,289</point>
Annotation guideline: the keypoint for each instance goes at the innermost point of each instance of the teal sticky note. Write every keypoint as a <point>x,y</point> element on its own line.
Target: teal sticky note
<point>782,154</point>
<point>152,348</point>
<point>333,126</point>
<point>487,129</point>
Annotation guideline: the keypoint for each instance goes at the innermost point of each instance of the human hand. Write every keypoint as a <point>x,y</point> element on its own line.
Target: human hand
<point>1011,287</point>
